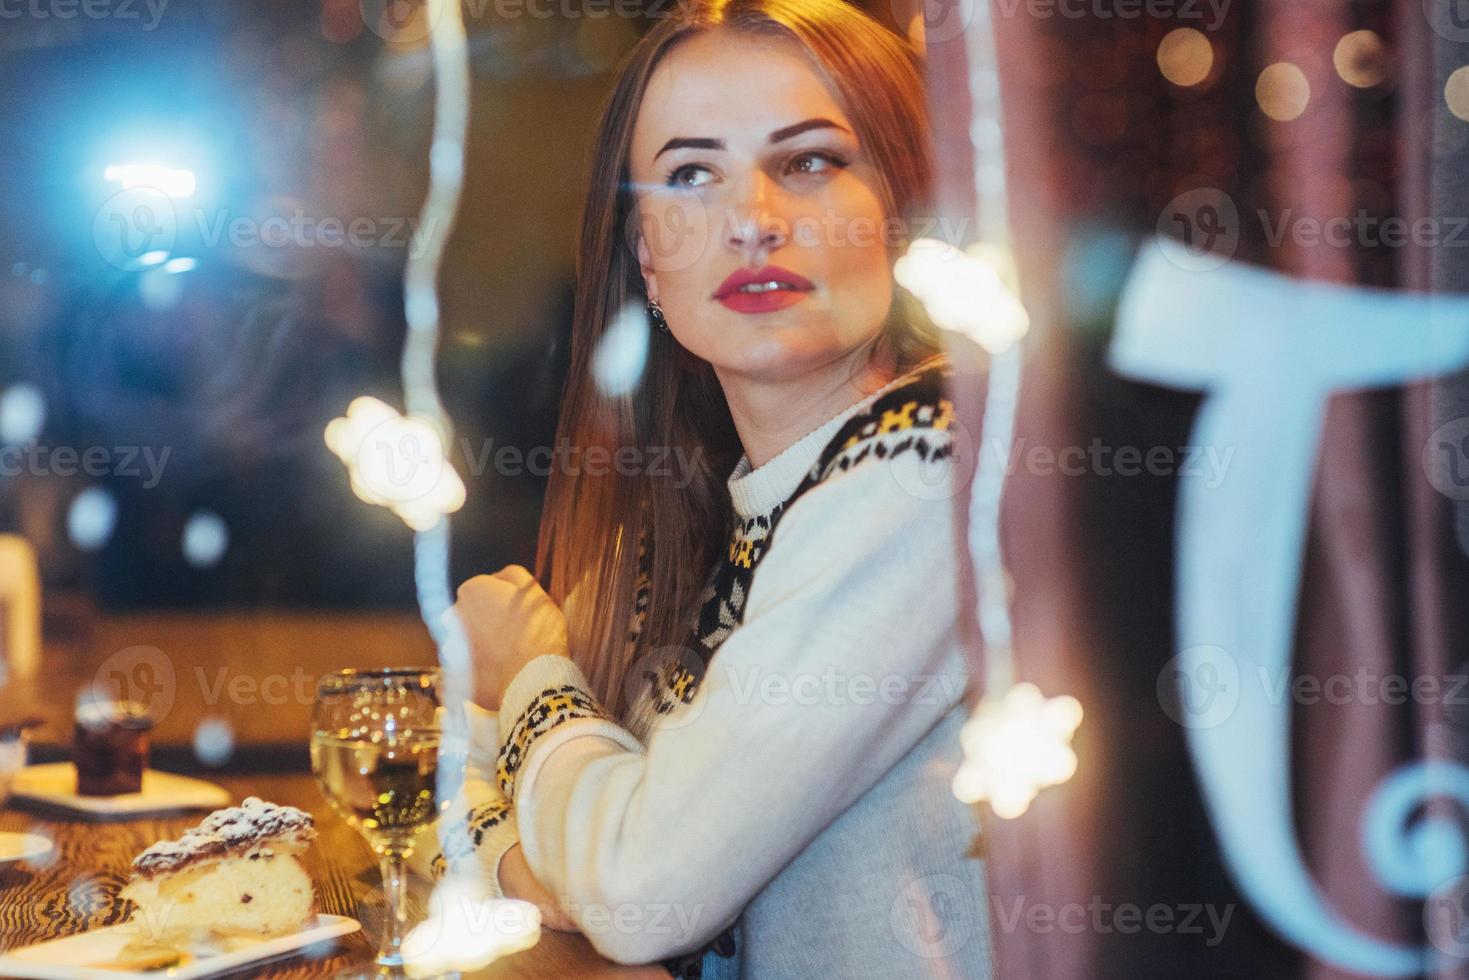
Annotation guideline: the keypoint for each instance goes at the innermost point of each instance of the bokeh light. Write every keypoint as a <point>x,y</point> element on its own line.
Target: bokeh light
<point>622,352</point>
<point>206,537</point>
<point>468,931</point>
<point>1360,59</point>
<point>1456,93</point>
<point>1185,57</point>
<point>214,742</point>
<point>91,518</point>
<point>176,183</point>
<point>1282,91</point>
<point>22,413</point>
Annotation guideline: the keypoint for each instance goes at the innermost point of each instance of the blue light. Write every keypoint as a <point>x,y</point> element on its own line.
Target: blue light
<point>176,184</point>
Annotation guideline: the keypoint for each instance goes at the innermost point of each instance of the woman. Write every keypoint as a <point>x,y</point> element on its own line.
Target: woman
<point>751,779</point>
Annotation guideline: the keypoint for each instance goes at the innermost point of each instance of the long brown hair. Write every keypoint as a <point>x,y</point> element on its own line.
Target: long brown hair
<point>593,523</point>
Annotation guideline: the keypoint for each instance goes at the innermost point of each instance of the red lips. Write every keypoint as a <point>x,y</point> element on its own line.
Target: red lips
<point>793,289</point>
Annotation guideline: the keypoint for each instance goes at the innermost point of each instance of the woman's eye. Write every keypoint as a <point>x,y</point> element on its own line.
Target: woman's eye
<point>685,176</point>
<point>816,162</point>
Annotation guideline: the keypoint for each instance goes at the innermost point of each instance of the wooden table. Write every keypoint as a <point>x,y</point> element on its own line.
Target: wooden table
<point>255,671</point>
<point>78,889</point>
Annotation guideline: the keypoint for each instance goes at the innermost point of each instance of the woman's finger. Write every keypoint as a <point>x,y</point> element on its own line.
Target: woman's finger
<point>477,586</point>
<point>515,574</point>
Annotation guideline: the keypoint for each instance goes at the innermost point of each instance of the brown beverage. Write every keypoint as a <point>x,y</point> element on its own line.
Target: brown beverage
<point>110,747</point>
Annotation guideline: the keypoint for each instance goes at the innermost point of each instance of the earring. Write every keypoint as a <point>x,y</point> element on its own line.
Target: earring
<point>655,313</point>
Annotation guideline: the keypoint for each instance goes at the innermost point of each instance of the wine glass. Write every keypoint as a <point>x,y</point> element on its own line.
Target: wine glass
<point>375,753</point>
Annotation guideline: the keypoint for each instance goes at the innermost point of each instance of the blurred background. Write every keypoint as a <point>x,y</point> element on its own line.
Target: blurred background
<point>211,343</point>
<point>208,210</point>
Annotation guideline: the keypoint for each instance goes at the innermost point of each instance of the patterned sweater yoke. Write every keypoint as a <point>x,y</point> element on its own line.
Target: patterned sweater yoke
<point>914,416</point>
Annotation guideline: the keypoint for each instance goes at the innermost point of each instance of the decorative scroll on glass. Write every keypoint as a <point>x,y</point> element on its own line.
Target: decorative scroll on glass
<point>1268,351</point>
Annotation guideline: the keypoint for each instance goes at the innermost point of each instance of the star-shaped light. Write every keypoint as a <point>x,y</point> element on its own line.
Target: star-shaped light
<point>396,462</point>
<point>966,292</point>
<point>467,931</point>
<point>1015,746</point>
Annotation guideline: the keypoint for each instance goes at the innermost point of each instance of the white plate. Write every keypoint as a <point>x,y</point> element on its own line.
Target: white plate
<point>23,847</point>
<point>68,959</point>
<point>55,786</point>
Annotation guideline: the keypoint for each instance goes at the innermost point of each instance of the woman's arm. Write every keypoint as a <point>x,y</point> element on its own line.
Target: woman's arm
<point>486,819</point>
<point>480,821</point>
<point>480,824</point>
<point>517,880</point>
<point>847,655</point>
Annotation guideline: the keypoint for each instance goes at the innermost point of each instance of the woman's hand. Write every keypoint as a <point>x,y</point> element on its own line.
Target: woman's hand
<point>509,621</point>
<point>518,881</point>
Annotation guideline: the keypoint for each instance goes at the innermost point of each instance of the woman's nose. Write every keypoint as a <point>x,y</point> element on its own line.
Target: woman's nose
<point>756,225</point>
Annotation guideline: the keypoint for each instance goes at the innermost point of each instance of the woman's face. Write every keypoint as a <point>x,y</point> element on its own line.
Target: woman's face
<point>747,165</point>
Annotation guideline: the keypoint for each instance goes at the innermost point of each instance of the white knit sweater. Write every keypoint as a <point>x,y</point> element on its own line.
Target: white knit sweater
<point>803,780</point>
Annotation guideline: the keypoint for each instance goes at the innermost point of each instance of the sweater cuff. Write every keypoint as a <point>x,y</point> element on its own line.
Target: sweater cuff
<point>481,835</point>
<point>545,673</point>
<point>547,692</point>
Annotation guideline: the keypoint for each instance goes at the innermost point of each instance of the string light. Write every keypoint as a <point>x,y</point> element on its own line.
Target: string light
<point>466,932</point>
<point>399,461</point>
<point>396,462</point>
<point>1017,745</point>
<point>1018,741</point>
<point>964,292</point>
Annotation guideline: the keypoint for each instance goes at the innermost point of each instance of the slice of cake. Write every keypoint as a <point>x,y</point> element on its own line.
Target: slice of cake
<point>234,875</point>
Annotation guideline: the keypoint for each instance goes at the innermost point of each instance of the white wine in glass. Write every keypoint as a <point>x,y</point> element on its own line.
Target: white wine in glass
<point>375,753</point>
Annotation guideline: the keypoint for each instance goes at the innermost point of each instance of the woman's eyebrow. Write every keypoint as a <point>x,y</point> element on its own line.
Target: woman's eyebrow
<point>802,127</point>
<point>690,143</point>
<point>708,143</point>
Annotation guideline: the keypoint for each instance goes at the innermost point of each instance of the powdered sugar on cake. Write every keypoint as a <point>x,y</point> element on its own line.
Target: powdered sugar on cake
<point>230,832</point>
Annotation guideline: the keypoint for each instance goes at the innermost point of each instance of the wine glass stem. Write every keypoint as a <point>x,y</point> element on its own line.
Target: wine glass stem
<point>395,924</point>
